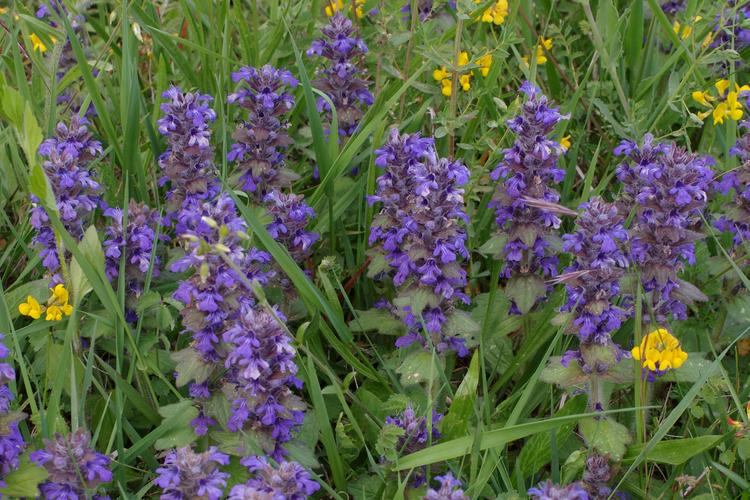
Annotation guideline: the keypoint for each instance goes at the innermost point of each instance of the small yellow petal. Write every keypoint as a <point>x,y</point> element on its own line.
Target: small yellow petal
<point>722,86</point>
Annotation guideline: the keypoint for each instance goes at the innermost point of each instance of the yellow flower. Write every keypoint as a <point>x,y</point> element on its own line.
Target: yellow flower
<point>37,43</point>
<point>541,55</point>
<point>440,74</point>
<point>722,85</point>
<point>445,77</point>
<point>447,88</point>
<point>59,294</point>
<point>703,97</point>
<point>727,102</point>
<point>3,10</point>
<point>334,6</point>
<point>565,142</point>
<point>659,351</point>
<point>57,305</point>
<point>484,63</point>
<point>30,308</point>
<point>496,13</point>
<point>465,81</point>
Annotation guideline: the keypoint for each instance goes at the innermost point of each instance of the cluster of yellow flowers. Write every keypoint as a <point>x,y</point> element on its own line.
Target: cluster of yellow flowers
<point>659,351</point>
<point>724,104</point>
<point>57,305</point>
<point>685,31</point>
<point>445,77</point>
<point>545,44</point>
<point>334,6</point>
<point>496,14</point>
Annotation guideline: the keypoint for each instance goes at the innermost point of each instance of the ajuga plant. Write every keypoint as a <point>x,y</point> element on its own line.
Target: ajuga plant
<point>67,159</point>
<point>74,468</point>
<point>525,201</point>
<point>262,138</point>
<point>215,293</point>
<point>187,474</point>
<point>414,433</point>
<point>550,491</point>
<point>450,489</point>
<point>11,441</point>
<point>736,182</point>
<point>341,79</point>
<point>599,247</point>
<point>595,309</point>
<point>188,162</point>
<point>668,186</point>
<point>262,376</point>
<point>134,242</point>
<point>287,480</point>
<point>420,233</point>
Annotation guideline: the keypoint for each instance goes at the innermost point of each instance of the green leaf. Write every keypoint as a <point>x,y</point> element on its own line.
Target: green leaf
<point>91,248</point>
<point>388,440</point>
<point>567,377</point>
<point>524,290</point>
<point>456,422</point>
<point>419,366</point>
<point>494,246</point>
<point>179,416</point>
<point>24,481</point>
<point>377,320</point>
<point>674,451</point>
<point>39,187</point>
<point>606,436</point>
<point>190,366</point>
<point>417,299</point>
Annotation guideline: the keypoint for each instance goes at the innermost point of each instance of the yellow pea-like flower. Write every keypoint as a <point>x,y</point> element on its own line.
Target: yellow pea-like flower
<point>30,308</point>
<point>37,43</point>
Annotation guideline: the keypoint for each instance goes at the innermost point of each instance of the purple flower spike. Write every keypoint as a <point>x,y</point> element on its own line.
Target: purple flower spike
<point>136,242</point>
<point>214,295</point>
<point>74,467</point>
<point>450,489</point>
<point>593,280</point>
<point>66,161</point>
<point>188,161</point>
<point>597,475</point>
<point>416,435</point>
<point>262,139</point>
<point>261,368</point>
<point>290,216</point>
<point>551,491</point>
<point>341,78</point>
<point>737,217</point>
<point>288,481</point>
<point>187,475</point>
<point>525,199</point>
<point>11,441</point>
<point>420,232</point>
<point>668,187</point>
